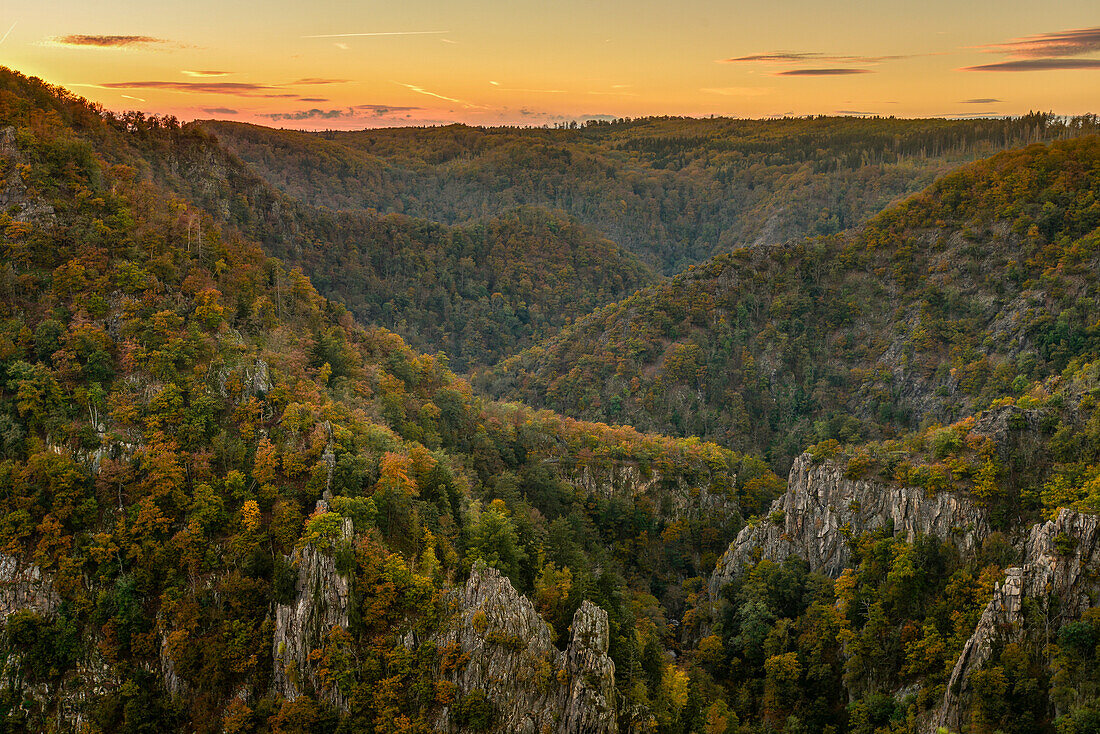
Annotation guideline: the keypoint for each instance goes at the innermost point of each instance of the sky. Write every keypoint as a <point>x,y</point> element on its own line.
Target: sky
<point>351,64</point>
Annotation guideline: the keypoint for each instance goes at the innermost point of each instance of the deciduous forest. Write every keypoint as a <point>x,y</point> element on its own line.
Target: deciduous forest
<point>660,425</point>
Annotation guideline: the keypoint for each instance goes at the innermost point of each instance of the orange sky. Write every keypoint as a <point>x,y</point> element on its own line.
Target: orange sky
<point>352,64</point>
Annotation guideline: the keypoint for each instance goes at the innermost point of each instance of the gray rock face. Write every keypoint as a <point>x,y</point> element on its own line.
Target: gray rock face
<point>671,499</point>
<point>24,587</point>
<point>1061,559</point>
<point>504,649</point>
<point>822,508</point>
<point>320,603</point>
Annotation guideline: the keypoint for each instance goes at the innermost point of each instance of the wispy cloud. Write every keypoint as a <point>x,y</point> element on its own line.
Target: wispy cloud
<point>1048,45</point>
<point>314,81</point>
<point>98,41</point>
<point>384,109</point>
<point>127,96</point>
<point>376,33</point>
<point>842,71</point>
<point>344,113</point>
<point>219,111</point>
<point>1037,65</point>
<point>314,114</point>
<point>788,57</point>
<point>981,100</point>
<point>8,32</point>
<point>204,74</point>
<point>421,90</point>
<point>858,113</point>
<point>239,89</point>
<point>1045,52</point>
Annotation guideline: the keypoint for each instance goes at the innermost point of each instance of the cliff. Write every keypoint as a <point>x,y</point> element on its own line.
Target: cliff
<point>320,603</point>
<point>24,587</point>
<point>1059,570</point>
<point>822,509</point>
<point>497,645</point>
<point>671,496</point>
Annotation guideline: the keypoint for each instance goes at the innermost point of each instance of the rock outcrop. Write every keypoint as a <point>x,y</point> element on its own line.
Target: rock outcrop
<point>321,600</point>
<point>822,509</point>
<point>23,587</point>
<point>670,496</point>
<point>1061,561</point>
<point>498,645</point>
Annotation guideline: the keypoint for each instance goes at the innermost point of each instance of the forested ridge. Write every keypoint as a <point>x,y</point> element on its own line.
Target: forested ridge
<point>479,291</point>
<point>961,295</point>
<point>171,414</point>
<point>229,502</point>
<point>674,191</point>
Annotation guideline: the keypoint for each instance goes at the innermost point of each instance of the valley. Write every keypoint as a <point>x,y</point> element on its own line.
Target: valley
<point>653,425</point>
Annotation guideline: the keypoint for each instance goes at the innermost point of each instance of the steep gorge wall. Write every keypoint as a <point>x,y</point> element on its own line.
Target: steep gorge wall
<point>670,496</point>
<point>1059,565</point>
<point>1060,568</point>
<point>822,509</point>
<point>321,601</point>
<point>500,646</point>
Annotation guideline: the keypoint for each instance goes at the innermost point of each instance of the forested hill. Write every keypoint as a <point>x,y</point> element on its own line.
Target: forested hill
<point>191,438</point>
<point>672,190</point>
<point>226,505</point>
<point>962,294</point>
<point>479,292</point>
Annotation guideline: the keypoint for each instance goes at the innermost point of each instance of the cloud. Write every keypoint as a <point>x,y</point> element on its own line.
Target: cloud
<point>854,112</point>
<point>376,33</point>
<point>96,41</point>
<point>313,81</point>
<point>786,57</point>
<point>218,111</point>
<point>822,72</point>
<point>736,91</point>
<point>421,90</point>
<point>981,100</point>
<point>384,109</point>
<point>239,89</point>
<point>376,110</point>
<point>1050,45</point>
<point>200,87</point>
<point>204,74</point>
<point>8,32</point>
<point>313,99</point>
<point>314,114</point>
<point>1037,65</point>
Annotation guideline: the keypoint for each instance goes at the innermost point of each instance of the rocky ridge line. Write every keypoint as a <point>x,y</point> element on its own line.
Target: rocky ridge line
<point>499,645</point>
<point>822,508</point>
<point>1061,560</point>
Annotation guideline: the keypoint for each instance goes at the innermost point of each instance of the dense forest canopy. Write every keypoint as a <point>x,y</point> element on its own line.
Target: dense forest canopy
<point>957,297</point>
<point>201,447</point>
<point>674,191</point>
